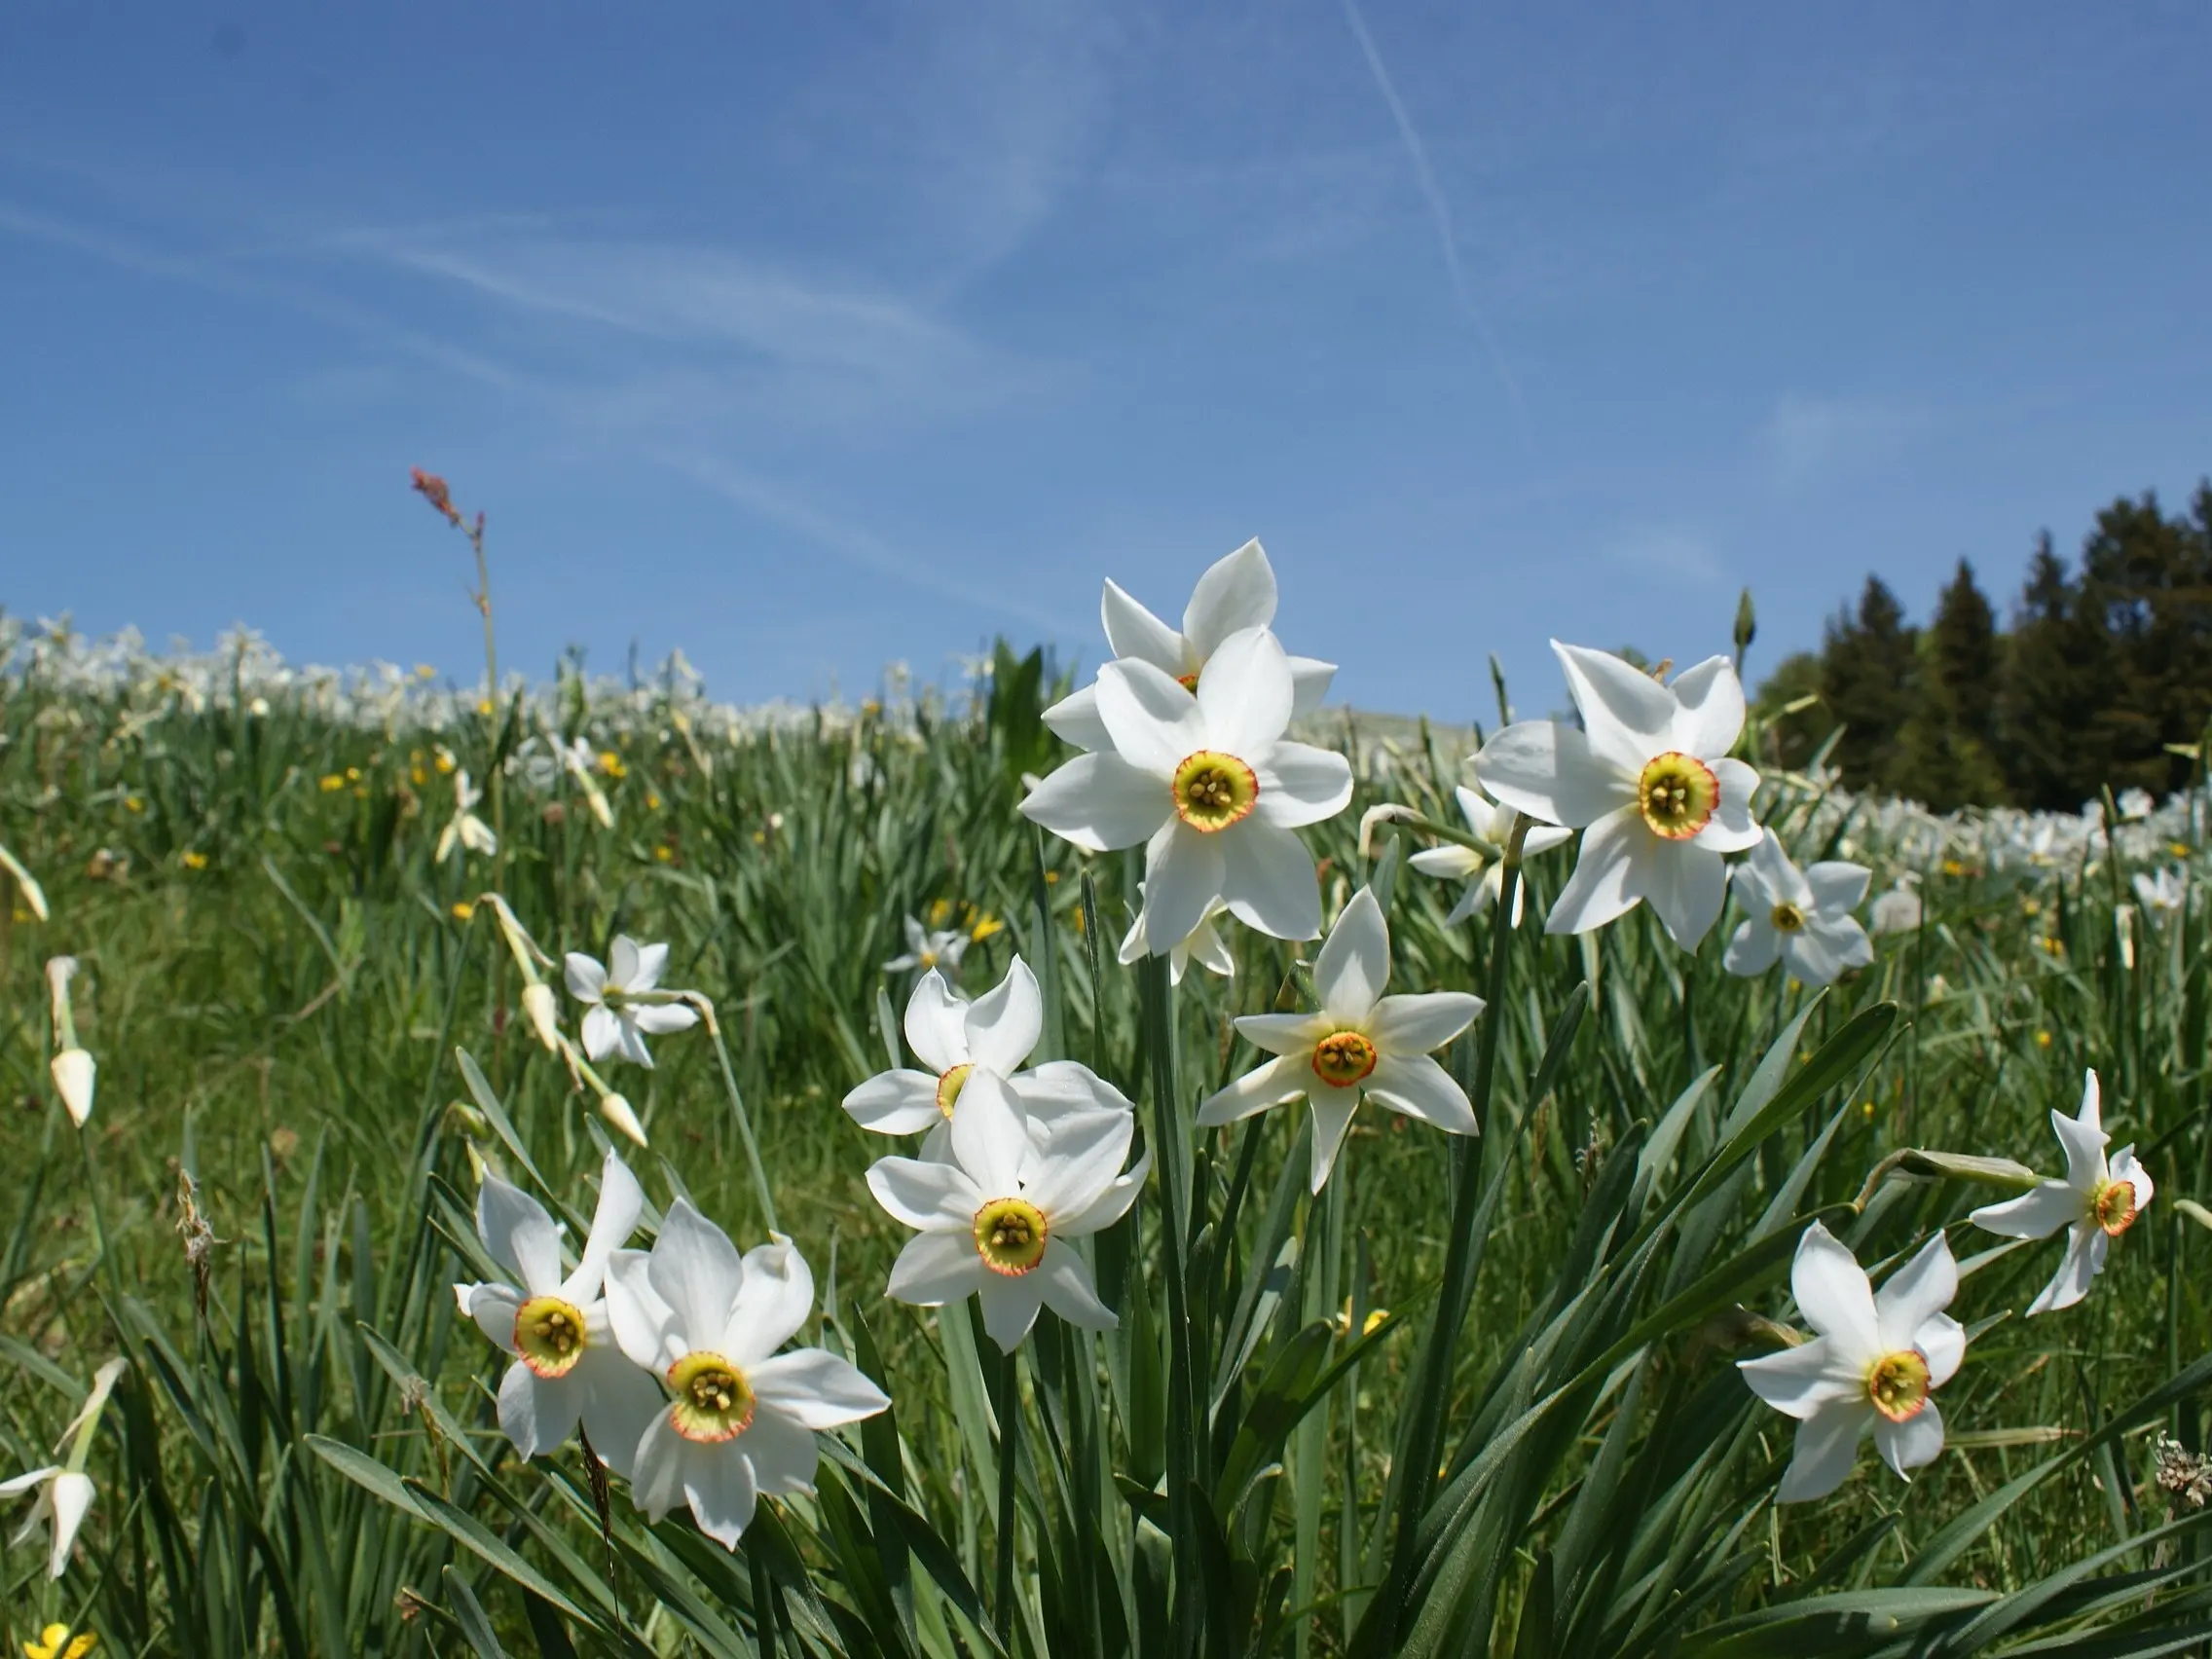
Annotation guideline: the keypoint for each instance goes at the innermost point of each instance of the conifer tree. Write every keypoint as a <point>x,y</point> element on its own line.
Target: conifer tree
<point>1867,682</point>
<point>1946,752</point>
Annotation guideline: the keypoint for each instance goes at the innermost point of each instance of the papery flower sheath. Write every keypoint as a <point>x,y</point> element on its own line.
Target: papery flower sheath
<point>993,1218</point>
<point>1801,917</point>
<point>1210,782</point>
<point>1236,593</point>
<point>1871,1367</point>
<point>1485,876</point>
<point>567,1366</point>
<point>1359,1045</point>
<point>2096,1202</point>
<point>1648,782</point>
<point>613,1022</point>
<point>739,1424</point>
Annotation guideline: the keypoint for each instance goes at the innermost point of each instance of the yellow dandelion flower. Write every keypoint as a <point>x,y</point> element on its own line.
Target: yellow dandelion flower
<point>445,762</point>
<point>194,861</point>
<point>1373,1321</point>
<point>941,912</point>
<point>483,706</point>
<point>986,925</point>
<point>662,854</point>
<point>422,778</point>
<point>49,1644</point>
<point>612,764</point>
<point>135,803</point>
<point>1952,866</point>
<point>353,774</point>
<point>462,909</point>
<point>2042,1038</point>
<point>1051,878</point>
<point>652,801</point>
<point>2030,907</point>
<point>332,783</point>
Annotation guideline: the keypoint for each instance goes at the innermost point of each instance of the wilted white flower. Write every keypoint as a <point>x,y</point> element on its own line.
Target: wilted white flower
<point>1210,782</point>
<point>1871,1367</point>
<point>993,1218</point>
<point>613,1020</point>
<point>1237,592</point>
<point>1648,780</point>
<point>2095,1203</point>
<point>1485,876</point>
<point>465,828</point>
<point>941,949</point>
<point>1360,1043</point>
<point>709,1322</point>
<point>567,1366</point>
<point>1801,916</point>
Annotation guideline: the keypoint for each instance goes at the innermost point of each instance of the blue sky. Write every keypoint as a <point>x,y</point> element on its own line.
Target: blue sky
<point>810,338</point>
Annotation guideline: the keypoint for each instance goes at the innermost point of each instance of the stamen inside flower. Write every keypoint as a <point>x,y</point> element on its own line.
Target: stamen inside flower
<point>1213,791</point>
<point>1677,793</point>
<point>550,1335</point>
<point>1342,1058</point>
<point>1010,1236</point>
<point>2115,1208</point>
<point>1787,918</point>
<point>1188,682</point>
<point>1896,1384</point>
<point>714,1402</point>
<point>948,1089</point>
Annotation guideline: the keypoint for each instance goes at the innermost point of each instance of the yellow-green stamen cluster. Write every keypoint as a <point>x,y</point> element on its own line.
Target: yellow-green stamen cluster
<point>550,1335</point>
<point>1677,795</point>
<point>1213,791</point>
<point>1343,1058</point>
<point>1896,1384</point>
<point>714,1402</point>
<point>1011,1236</point>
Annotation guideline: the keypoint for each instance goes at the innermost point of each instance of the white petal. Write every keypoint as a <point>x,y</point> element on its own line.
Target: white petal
<point>1604,885</point>
<point>2034,1214</point>
<point>1908,1445</point>
<point>28,1479</point>
<point>1827,1445</point>
<point>1010,1306</point>
<point>622,962</point>
<point>537,1414</point>
<point>1354,963</point>
<point>1101,802</point>
<point>1066,1089</point>
<point>630,1040</point>
<point>1270,1084</point>
<point>937,1024</point>
<point>1802,1381</point>
<point>1834,1297</point>
<point>2084,1143</point>
<point>929,1197</point>
<point>621,1200</point>
<point>603,1032</point>
<point>775,1299</point>
<point>1284,1033</point>
<point>493,1307</point>
<point>895,1103</point>
<point>1417,1087</point>
<point>2085,1247</point>
<point>1075,719</point>
<point>1309,679</point>
<point>619,1404</point>
<point>1135,632</point>
<point>1332,1116</point>
<point>1110,1205</point>
<point>1237,592</point>
<point>519,1234</point>
<point>660,1020</point>
<point>1065,1277</point>
<point>1814,954</point>
<point>1731,828</point>
<point>1629,716</point>
<point>816,1388</point>
<point>1709,715</point>
<point>991,1136</point>
<point>1837,885</point>
<point>697,1271</point>
<point>2126,1168</point>
<point>1915,1294</point>
<point>1152,720</point>
<point>1448,863</point>
<point>1183,873</point>
<point>656,1485</point>
<point>1421,1023</point>
<point>70,1498</point>
<point>936,1268</point>
<point>1079,1163</point>
<point>587,980</point>
<point>1770,869</point>
<point>1268,881</point>
<point>1245,693</point>
<point>645,1325</point>
<point>2091,1114</point>
<point>717,1484</point>
<point>653,963</point>
<point>1302,785</point>
<point>1942,1343</point>
<point>781,1451</point>
<point>1548,770</point>
<point>1004,1025</point>
<point>1753,949</point>
<point>1685,886</point>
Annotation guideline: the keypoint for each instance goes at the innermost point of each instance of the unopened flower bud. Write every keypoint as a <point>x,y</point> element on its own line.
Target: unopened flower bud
<point>73,1071</point>
<point>616,1111</point>
<point>544,1015</point>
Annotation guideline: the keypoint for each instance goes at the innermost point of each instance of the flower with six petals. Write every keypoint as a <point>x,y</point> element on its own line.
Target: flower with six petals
<point>1801,917</point>
<point>612,1021</point>
<point>1485,876</point>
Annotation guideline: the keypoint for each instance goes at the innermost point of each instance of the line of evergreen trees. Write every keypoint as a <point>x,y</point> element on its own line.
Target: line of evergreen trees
<point>2105,664</point>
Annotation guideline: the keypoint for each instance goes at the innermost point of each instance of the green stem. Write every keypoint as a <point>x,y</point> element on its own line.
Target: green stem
<point>1425,1431</point>
<point>737,1110</point>
<point>1007,1405</point>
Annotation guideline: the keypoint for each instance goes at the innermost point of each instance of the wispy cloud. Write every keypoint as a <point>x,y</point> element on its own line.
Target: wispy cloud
<point>1806,441</point>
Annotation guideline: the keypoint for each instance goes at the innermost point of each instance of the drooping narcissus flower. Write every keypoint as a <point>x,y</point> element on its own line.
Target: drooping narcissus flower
<point>1360,1043</point>
<point>1871,1367</point>
<point>2096,1202</point>
<point>65,1493</point>
<point>1485,876</point>
<point>953,1038</point>
<point>1210,782</point>
<point>1801,917</point>
<point>740,1425</point>
<point>1236,593</point>
<point>465,828</point>
<point>613,1021</point>
<point>568,1368</point>
<point>1648,780</point>
<point>992,1218</point>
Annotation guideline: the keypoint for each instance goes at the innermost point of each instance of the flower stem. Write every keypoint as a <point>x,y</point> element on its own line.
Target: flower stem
<point>1007,1405</point>
<point>737,1110</point>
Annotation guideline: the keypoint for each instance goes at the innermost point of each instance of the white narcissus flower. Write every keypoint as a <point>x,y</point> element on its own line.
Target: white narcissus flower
<point>1800,916</point>
<point>2095,1203</point>
<point>2163,893</point>
<point>1236,593</point>
<point>613,1022</point>
<point>709,1322</point>
<point>1871,1367</point>
<point>64,1498</point>
<point>1208,781</point>
<point>1898,910</point>
<point>994,1219</point>
<point>1360,1045</point>
<point>1648,782</point>
<point>73,1069</point>
<point>465,828</point>
<point>1202,945</point>
<point>567,1366</point>
<point>1494,824</point>
<point>941,949</point>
